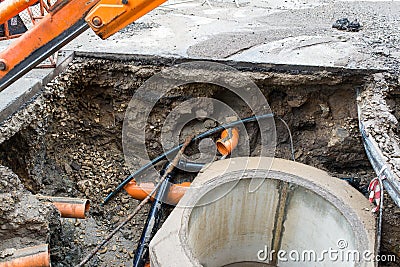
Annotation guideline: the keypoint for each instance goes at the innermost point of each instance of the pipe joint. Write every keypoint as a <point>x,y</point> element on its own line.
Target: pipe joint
<point>228,141</point>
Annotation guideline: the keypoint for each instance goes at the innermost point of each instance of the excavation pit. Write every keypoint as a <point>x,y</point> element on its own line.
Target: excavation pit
<point>67,140</point>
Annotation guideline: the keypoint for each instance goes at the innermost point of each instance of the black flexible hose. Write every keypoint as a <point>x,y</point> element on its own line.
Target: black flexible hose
<point>153,220</point>
<point>190,166</point>
<point>177,148</point>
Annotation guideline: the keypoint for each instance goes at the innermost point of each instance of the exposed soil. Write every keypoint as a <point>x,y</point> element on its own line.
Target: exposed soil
<point>72,145</point>
<point>380,116</point>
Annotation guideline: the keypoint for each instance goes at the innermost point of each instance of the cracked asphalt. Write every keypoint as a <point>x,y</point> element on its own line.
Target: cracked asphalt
<point>280,32</point>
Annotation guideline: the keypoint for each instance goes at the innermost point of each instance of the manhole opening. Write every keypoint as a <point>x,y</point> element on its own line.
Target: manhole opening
<point>228,226</point>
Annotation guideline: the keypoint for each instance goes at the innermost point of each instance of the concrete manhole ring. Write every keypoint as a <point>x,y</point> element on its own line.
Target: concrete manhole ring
<point>297,208</point>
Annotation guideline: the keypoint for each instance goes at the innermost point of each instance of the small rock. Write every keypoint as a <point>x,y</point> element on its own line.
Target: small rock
<point>184,109</point>
<point>209,124</point>
<point>75,166</point>
<point>7,252</point>
<point>115,219</point>
<point>325,110</point>
<point>102,251</point>
<point>201,113</point>
<point>298,154</point>
<point>296,101</point>
<point>67,168</point>
<point>231,119</point>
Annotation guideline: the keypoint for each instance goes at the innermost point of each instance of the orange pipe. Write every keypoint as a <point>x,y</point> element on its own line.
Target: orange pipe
<point>140,192</point>
<point>228,142</point>
<point>176,192</point>
<point>38,256</point>
<point>69,207</point>
<point>11,8</point>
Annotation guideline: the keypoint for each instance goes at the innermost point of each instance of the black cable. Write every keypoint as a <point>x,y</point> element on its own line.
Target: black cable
<point>190,166</point>
<point>177,148</point>
<point>153,220</point>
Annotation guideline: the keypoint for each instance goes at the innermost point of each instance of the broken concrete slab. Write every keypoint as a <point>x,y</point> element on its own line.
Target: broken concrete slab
<point>255,32</point>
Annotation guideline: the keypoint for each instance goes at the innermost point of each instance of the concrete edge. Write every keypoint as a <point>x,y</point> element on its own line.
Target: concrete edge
<point>33,89</point>
<point>240,65</point>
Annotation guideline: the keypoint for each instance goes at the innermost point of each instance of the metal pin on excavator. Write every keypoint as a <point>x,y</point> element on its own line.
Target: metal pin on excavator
<point>65,20</point>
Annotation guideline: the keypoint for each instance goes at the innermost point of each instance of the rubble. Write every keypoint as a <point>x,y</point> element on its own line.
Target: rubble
<point>24,220</point>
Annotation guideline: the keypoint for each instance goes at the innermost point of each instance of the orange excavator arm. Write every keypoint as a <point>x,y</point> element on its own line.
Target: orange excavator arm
<point>64,22</point>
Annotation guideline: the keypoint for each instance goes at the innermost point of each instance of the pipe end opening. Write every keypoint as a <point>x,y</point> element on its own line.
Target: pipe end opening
<point>87,206</point>
<point>222,148</point>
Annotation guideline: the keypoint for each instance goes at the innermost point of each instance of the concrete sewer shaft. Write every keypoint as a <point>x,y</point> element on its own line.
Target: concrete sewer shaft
<point>219,222</point>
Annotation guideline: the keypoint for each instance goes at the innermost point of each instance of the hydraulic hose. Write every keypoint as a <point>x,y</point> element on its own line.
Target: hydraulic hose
<point>177,148</point>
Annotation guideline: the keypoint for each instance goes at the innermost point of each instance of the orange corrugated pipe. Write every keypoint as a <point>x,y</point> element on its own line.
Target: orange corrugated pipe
<point>228,141</point>
<point>69,207</point>
<point>11,8</point>
<point>38,256</point>
<point>140,192</point>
